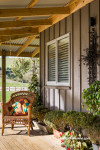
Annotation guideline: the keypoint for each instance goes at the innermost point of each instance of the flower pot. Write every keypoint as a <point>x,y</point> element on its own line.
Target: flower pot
<point>56,133</point>
<point>95,147</point>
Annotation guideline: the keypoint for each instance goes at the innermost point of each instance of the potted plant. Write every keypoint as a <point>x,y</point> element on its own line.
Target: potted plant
<point>38,114</point>
<point>91,98</point>
<point>54,120</point>
<point>93,133</point>
<point>74,141</point>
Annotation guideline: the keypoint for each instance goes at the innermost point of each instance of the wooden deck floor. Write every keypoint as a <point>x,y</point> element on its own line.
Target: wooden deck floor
<point>18,139</point>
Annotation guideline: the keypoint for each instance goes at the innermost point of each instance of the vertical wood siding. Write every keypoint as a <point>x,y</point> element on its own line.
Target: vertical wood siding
<point>77,24</point>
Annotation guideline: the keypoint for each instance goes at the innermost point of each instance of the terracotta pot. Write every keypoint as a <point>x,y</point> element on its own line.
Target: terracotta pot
<point>57,133</point>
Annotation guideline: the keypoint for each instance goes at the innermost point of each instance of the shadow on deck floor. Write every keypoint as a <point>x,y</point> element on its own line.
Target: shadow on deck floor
<point>18,139</point>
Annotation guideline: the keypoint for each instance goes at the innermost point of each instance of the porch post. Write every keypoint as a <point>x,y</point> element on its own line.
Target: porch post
<point>3,76</point>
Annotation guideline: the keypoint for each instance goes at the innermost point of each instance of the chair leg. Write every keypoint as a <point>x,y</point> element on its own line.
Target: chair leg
<point>12,126</point>
<point>2,130</point>
<point>32,125</point>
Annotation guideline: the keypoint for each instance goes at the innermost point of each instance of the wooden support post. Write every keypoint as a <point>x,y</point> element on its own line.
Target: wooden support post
<point>3,76</point>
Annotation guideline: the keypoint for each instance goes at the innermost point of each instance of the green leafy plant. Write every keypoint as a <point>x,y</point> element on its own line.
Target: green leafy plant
<point>93,132</point>
<point>71,118</point>
<point>39,113</point>
<point>34,86</point>
<point>91,98</point>
<point>91,59</point>
<point>73,140</point>
<point>54,119</point>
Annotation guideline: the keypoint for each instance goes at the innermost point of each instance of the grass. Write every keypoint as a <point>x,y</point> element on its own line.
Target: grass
<point>8,93</point>
<point>10,83</point>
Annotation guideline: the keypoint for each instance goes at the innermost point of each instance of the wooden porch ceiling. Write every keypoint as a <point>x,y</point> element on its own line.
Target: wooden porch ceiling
<point>11,30</point>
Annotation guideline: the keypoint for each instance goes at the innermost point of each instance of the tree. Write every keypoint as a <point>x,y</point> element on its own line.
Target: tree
<point>21,67</point>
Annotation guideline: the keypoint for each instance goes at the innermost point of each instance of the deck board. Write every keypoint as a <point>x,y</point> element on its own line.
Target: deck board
<point>18,139</point>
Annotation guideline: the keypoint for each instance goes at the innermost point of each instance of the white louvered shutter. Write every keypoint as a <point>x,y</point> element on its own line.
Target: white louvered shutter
<point>52,62</point>
<point>64,60</point>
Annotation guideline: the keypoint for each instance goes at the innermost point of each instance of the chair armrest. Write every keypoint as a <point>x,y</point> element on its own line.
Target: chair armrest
<point>4,108</point>
<point>29,110</point>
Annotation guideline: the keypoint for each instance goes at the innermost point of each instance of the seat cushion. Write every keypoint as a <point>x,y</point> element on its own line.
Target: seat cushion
<point>20,108</point>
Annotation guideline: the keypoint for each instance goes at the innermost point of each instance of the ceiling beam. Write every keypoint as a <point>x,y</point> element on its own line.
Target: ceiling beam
<point>72,6</point>
<point>25,54</point>
<point>15,37</point>
<point>30,5</point>
<point>25,45</point>
<point>23,12</point>
<point>25,23</point>
<point>27,30</point>
<point>36,52</point>
<point>8,44</point>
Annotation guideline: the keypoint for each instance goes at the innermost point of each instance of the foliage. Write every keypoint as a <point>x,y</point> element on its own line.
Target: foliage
<point>93,132</point>
<point>34,86</point>
<point>85,120</point>
<point>73,140</point>
<point>21,67</point>
<point>54,119</point>
<point>91,59</point>
<point>91,98</point>
<point>10,73</point>
<point>71,118</point>
<point>39,112</point>
<point>79,120</point>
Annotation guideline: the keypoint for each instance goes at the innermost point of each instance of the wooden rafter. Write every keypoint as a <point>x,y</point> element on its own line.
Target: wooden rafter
<point>36,52</point>
<point>57,14</point>
<point>23,12</point>
<point>25,23</point>
<point>73,6</point>
<point>25,54</point>
<point>8,44</point>
<point>25,45</point>
<point>14,37</point>
<point>30,5</point>
<point>27,30</point>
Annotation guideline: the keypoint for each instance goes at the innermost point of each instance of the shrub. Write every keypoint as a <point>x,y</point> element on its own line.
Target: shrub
<point>79,120</point>
<point>91,98</point>
<point>39,112</point>
<point>93,132</point>
<point>71,118</point>
<point>54,119</point>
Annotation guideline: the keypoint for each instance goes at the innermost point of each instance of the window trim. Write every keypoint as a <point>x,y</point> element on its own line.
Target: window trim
<point>56,83</point>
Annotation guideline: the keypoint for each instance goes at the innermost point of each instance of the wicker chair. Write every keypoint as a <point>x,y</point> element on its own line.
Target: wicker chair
<point>22,120</point>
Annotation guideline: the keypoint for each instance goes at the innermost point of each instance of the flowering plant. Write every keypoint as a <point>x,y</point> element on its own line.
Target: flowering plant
<point>73,140</point>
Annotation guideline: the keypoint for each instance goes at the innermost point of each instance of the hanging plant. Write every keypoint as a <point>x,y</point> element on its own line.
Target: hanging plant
<point>92,57</point>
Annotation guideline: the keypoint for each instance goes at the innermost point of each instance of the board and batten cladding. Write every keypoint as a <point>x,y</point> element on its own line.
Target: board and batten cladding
<point>64,98</point>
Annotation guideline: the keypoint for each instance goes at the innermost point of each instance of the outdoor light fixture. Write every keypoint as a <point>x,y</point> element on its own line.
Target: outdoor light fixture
<point>92,21</point>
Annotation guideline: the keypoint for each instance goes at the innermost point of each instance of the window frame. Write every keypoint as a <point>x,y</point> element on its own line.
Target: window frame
<point>56,83</point>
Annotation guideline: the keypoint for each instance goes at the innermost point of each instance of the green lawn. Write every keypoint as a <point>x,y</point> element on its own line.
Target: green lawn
<point>8,93</point>
<point>10,83</point>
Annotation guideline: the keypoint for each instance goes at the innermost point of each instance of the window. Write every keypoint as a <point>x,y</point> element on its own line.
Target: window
<point>58,61</point>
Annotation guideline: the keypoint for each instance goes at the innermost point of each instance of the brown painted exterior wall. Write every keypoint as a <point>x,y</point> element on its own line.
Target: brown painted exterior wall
<point>63,98</point>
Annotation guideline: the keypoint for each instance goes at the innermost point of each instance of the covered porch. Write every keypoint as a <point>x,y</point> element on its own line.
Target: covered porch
<point>28,29</point>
